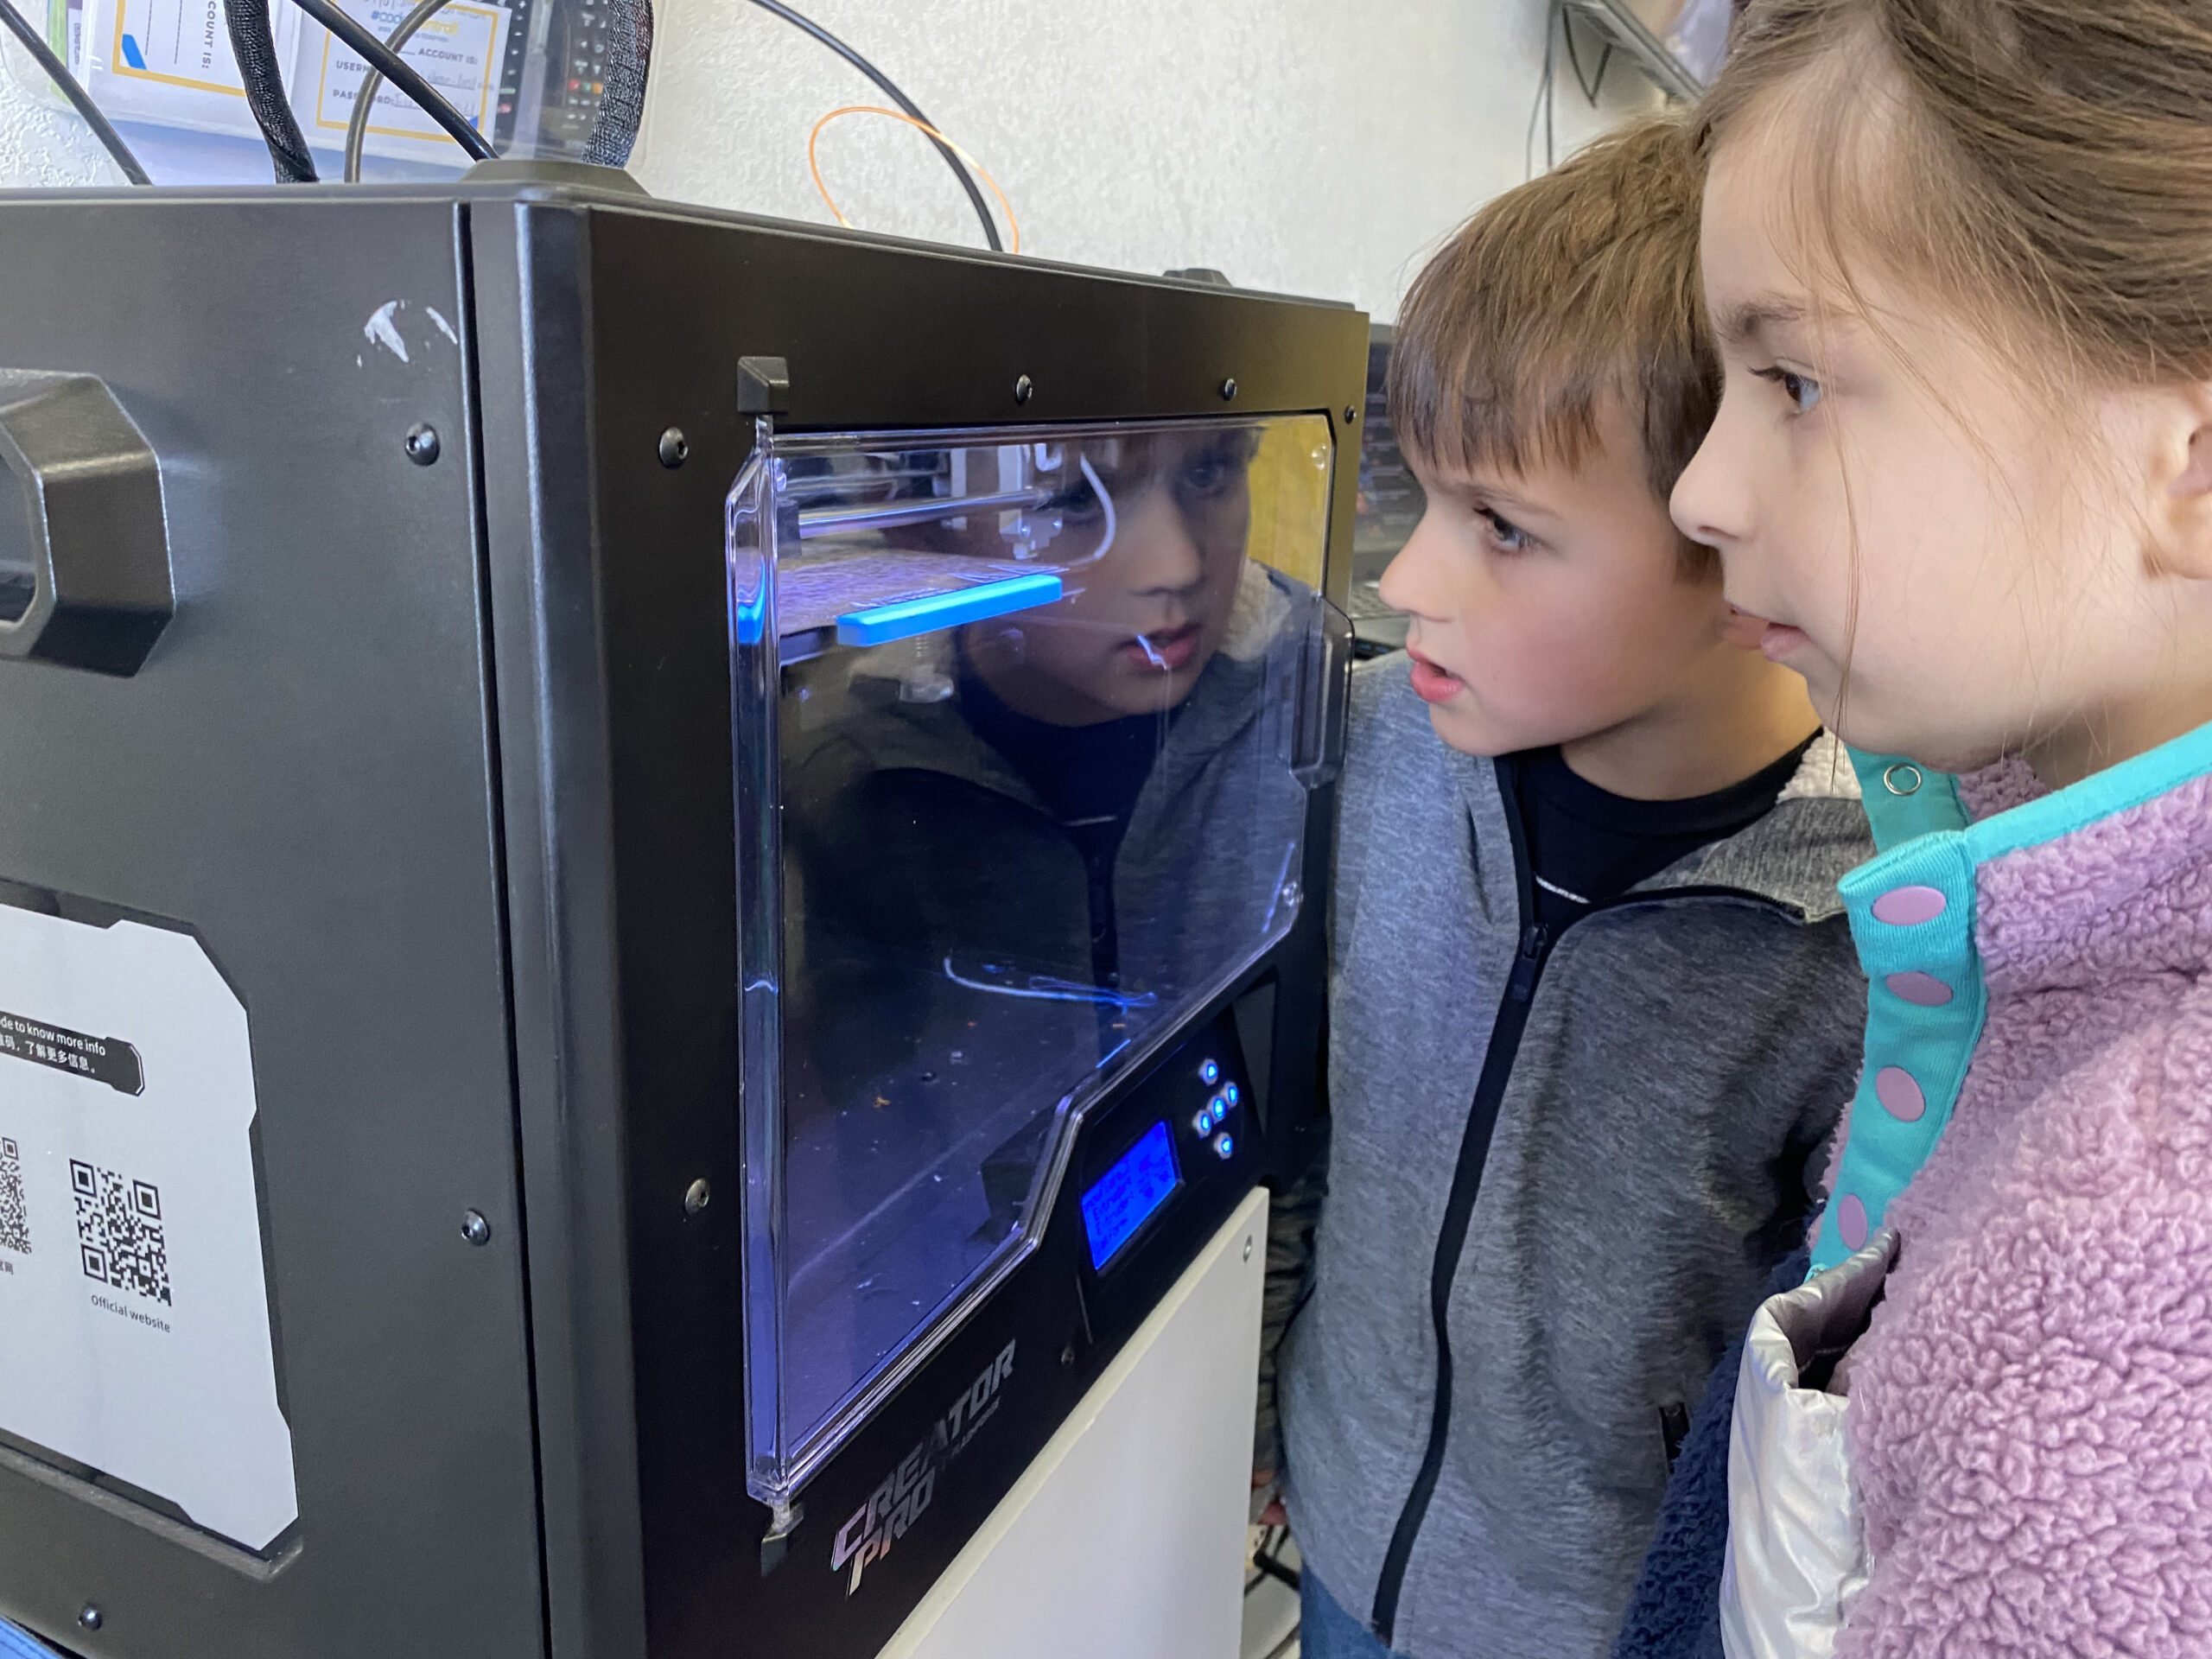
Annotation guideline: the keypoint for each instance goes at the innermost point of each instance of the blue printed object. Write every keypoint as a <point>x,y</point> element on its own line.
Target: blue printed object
<point>885,623</point>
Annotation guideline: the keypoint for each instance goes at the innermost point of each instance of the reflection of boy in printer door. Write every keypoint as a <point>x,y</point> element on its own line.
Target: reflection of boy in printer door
<point>1083,698</point>
<point>1025,872</point>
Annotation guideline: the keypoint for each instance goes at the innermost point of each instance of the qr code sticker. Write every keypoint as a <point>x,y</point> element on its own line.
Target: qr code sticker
<point>119,1231</point>
<point>15,1215</point>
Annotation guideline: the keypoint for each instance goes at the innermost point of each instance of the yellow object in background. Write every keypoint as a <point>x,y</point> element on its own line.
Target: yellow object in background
<point>1290,476</point>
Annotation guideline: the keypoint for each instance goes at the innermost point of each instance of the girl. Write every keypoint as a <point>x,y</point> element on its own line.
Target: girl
<point>1959,256</point>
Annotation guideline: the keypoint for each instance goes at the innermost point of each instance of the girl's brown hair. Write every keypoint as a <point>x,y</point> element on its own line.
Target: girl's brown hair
<point>2042,168</point>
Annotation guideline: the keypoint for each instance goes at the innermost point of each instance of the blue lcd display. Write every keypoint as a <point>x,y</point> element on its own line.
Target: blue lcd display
<point>1125,1197</point>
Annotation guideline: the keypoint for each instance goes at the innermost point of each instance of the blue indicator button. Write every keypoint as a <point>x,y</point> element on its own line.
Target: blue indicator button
<point>1203,1123</point>
<point>1209,1074</point>
<point>1223,1146</point>
<point>1230,1095</point>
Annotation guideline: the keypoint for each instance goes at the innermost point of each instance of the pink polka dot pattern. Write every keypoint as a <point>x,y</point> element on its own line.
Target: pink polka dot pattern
<point>1921,990</point>
<point>1900,1094</point>
<point>1906,906</point>
<point>1851,1222</point>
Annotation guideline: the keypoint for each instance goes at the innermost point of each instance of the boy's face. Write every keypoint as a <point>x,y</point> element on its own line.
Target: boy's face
<point>1147,607</point>
<point>1549,605</point>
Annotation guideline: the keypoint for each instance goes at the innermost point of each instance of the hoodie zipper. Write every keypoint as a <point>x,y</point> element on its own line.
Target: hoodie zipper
<point>1507,1028</point>
<point>1510,1021</point>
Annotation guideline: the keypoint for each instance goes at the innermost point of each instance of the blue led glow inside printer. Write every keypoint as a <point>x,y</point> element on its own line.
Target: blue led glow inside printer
<point>1127,1195</point>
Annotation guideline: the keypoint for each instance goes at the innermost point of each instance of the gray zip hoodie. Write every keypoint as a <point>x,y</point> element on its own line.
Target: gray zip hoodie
<point>1658,1138</point>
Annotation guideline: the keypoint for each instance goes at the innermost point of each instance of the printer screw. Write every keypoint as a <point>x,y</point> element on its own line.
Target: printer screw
<point>421,443</point>
<point>1067,1356</point>
<point>1229,389</point>
<point>675,447</point>
<point>475,1228</point>
<point>1351,413</point>
<point>1024,389</point>
<point>695,1198</point>
<point>92,1618</point>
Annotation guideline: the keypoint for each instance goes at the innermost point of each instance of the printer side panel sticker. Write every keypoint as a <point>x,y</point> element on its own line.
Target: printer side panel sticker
<point>134,1313</point>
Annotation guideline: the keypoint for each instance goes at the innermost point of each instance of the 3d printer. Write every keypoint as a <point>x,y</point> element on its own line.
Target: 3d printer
<point>657,872</point>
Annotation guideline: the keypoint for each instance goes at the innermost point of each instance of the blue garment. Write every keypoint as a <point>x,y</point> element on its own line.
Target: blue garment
<point>1326,1630</point>
<point>1675,1611</point>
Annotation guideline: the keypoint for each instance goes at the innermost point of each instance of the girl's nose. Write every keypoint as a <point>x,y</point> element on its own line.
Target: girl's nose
<point>1709,505</point>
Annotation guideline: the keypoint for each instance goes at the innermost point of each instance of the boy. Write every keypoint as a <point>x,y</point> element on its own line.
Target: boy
<point>1592,990</point>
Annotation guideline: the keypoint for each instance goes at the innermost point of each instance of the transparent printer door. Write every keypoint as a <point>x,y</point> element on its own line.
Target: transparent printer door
<point>1022,721</point>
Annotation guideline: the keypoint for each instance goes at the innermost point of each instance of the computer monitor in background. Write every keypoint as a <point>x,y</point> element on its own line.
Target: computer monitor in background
<point>1391,505</point>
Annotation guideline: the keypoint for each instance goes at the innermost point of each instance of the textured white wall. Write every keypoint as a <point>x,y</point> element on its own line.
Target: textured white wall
<point>1311,146</point>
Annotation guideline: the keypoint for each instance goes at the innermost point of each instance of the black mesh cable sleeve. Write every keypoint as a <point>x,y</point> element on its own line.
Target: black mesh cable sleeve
<point>79,99</point>
<point>891,92</point>
<point>395,69</point>
<point>253,43</point>
<point>622,106</point>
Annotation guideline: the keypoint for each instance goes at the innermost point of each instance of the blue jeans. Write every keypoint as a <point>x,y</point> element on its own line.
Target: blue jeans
<point>1326,1630</point>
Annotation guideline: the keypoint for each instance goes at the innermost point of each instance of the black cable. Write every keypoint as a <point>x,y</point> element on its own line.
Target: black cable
<point>891,92</point>
<point>1266,1562</point>
<point>1551,93</point>
<point>1590,87</point>
<point>79,100</point>
<point>1553,18</point>
<point>400,74</point>
<point>253,43</point>
<point>357,128</point>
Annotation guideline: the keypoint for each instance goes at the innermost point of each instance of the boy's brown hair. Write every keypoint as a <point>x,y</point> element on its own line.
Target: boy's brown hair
<point>1576,288</point>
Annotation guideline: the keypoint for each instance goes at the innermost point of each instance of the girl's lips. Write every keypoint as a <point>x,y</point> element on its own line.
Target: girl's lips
<point>1780,641</point>
<point>1163,653</point>
<point>1432,684</point>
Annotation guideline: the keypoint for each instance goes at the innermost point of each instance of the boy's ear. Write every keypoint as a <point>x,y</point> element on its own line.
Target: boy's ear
<point>1741,629</point>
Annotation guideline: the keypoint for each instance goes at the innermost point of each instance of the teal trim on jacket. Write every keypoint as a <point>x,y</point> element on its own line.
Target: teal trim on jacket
<point>1912,918</point>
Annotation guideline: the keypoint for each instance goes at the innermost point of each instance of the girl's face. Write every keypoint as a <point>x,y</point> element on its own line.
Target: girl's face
<point>1956,574</point>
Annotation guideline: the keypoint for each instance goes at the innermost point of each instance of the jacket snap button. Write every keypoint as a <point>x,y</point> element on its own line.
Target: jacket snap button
<point>1851,1222</point>
<point>1900,1094</point>
<point>1904,906</point>
<point>1921,990</point>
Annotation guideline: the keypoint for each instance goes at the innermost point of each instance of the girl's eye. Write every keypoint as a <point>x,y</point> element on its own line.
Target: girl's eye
<point>1504,534</point>
<point>1803,391</point>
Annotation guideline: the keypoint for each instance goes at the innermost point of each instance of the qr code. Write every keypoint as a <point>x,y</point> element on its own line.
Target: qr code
<point>15,1219</point>
<point>119,1231</point>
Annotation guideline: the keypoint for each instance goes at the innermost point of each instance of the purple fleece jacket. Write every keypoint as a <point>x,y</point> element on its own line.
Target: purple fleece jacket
<point>2031,1409</point>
